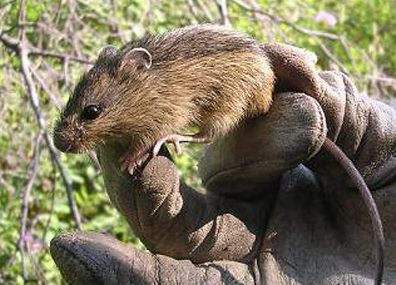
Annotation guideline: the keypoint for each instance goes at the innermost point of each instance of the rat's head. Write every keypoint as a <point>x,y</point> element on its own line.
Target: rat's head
<point>97,109</point>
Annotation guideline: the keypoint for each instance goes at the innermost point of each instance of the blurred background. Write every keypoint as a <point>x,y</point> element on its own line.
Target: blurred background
<point>46,45</point>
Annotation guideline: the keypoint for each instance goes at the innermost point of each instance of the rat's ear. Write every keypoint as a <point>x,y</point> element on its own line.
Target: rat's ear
<point>138,58</point>
<point>106,52</point>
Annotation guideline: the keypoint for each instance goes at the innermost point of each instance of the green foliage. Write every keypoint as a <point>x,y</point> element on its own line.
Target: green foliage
<point>80,28</point>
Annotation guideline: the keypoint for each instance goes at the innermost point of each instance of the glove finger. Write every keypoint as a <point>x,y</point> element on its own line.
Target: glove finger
<point>254,156</point>
<point>367,137</point>
<point>91,258</point>
<point>295,71</point>
<point>173,219</point>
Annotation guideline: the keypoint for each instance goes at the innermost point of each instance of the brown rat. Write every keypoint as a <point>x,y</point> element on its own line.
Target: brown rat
<point>146,93</point>
<point>204,76</point>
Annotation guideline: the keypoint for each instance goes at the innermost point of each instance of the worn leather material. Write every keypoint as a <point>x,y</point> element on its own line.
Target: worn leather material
<point>278,210</point>
<point>291,133</point>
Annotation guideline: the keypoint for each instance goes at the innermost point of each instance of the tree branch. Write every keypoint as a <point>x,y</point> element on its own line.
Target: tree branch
<point>31,173</point>
<point>13,44</point>
<point>23,52</point>
<point>222,7</point>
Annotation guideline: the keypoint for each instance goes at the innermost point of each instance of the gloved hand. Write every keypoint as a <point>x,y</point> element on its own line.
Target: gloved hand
<point>266,218</point>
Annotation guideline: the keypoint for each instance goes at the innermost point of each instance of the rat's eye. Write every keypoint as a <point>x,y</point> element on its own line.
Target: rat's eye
<point>91,112</point>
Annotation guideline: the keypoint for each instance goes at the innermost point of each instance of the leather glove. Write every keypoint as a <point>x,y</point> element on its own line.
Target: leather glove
<point>276,211</point>
<point>212,238</point>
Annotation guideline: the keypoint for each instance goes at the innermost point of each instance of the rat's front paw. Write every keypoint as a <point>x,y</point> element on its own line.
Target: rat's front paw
<point>133,160</point>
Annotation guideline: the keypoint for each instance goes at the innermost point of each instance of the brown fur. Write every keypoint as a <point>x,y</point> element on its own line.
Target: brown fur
<point>204,76</point>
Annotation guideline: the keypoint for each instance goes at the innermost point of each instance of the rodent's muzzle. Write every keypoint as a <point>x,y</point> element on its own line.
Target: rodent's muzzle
<point>65,138</point>
<point>62,144</point>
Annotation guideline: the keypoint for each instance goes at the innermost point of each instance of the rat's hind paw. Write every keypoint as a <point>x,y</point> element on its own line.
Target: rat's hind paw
<point>176,139</point>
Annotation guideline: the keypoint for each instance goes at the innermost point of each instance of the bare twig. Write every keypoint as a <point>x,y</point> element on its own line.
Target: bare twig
<point>32,170</point>
<point>200,12</point>
<point>222,7</point>
<point>332,57</point>
<point>7,3</point>
<point>31,177</point>
<point>21,19</point>
<point>52,209</point>
<point>61,56</point>
<point>4,183</point>
<point>22,49</point>
<point>57,14</point>
<point>8,41</point>
<point>146,15</point>
<point>13,43</point>
<point>66,72</point>
<point>279,20</point>
<point>255,9</point>
<point>265,19</point>
<point>33,96</point>
<point>386,80</point>
<point>347,50</point>
<point>193,10</point>
<point>54,101</point>
<point>310,32</point>
<point>205,11</point>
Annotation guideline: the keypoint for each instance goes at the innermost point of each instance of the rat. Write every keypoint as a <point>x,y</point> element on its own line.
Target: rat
<point>204,76</point>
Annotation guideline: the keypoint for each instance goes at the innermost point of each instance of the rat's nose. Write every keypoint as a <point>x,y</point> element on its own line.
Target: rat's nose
<point>61,141</point>
<point>61,144</point>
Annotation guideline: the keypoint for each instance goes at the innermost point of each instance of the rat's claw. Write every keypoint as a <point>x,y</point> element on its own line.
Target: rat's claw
<point>176,139</point>
<point>177,147</point>
<point>158,146</point>
<point>161,142</point>
<point>130,161</point>
<point>131,168</point>
<point>127,163</point>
